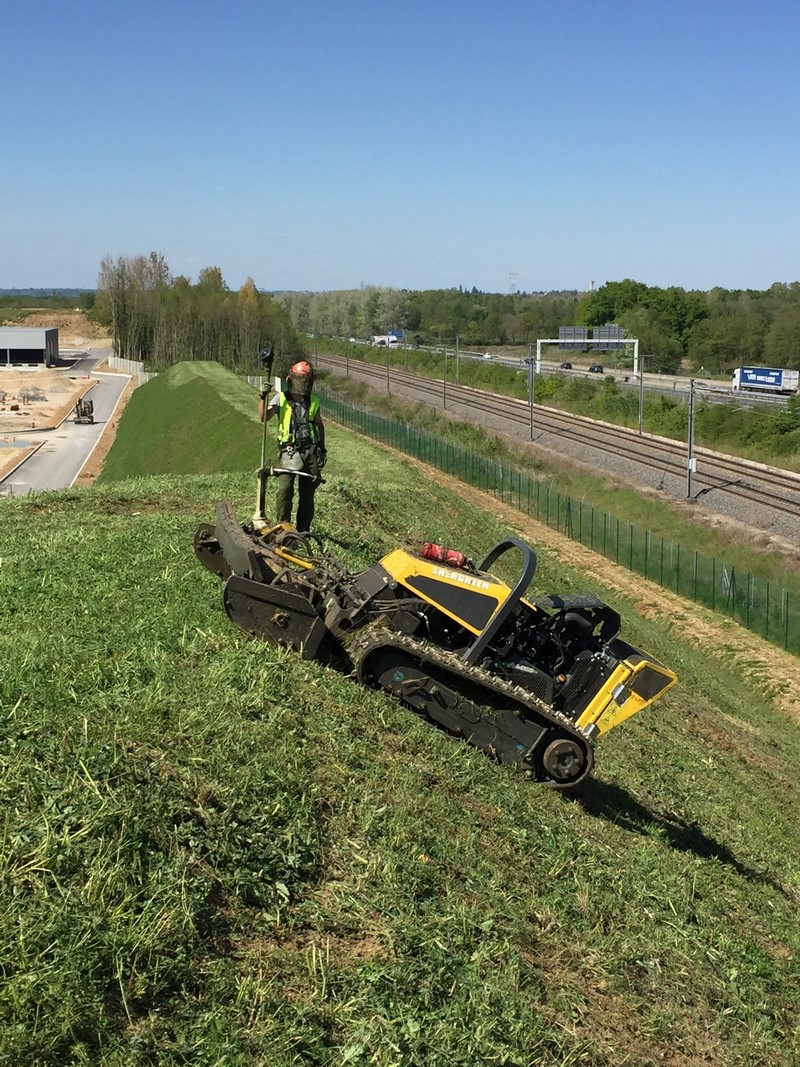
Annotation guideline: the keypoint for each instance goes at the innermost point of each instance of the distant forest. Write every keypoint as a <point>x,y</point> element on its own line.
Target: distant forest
<point>162,318</point>
<point>716,330</point>
<point>60,297</point>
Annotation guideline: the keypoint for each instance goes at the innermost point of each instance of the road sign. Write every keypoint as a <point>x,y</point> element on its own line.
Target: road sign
<point>573,338</point>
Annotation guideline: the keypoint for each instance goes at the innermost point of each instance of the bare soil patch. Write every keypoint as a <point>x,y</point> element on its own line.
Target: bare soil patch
<point>34,401</point>
<point>74,329</point>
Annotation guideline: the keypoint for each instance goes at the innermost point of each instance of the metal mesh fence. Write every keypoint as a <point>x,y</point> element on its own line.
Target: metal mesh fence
<point>770,611</point>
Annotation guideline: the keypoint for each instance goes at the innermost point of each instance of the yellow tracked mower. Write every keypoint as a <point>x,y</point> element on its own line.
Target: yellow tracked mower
<point>531,681</point>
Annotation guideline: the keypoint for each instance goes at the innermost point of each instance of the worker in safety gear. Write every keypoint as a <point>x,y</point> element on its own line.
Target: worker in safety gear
<point>301,443</point>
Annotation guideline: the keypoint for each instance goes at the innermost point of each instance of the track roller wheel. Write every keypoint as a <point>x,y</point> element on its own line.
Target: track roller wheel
<point>565,762</point>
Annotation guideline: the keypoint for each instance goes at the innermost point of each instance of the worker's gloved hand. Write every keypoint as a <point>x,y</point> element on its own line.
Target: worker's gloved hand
<point>263,394</point>
<point>322,456</point>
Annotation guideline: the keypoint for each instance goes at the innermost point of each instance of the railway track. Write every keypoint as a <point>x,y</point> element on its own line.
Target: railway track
<point>768,489</point>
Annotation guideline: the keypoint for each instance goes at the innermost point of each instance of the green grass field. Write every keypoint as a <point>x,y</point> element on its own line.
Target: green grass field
<point>217,853</point>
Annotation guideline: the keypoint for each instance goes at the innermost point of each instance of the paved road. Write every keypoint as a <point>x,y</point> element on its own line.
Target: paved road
<point>712,390</point>
<point>65,450</point>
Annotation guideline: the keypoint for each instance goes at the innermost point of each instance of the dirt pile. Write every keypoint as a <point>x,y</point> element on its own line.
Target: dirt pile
<point>40,397</point>
<point>75,330</point>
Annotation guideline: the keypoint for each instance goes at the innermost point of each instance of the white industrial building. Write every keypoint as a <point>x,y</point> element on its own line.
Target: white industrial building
<point>22,345</point>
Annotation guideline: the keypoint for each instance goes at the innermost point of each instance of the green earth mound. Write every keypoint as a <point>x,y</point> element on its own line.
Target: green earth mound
<point>217,853</point>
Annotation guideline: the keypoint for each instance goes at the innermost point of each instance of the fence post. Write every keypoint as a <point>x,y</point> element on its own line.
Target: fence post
<point>694,578</point>
<point>786,619</point>
<point>766,630</point>
<point>713,582</point>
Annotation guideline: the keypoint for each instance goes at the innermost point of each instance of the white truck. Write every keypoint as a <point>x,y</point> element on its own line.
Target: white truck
<point>386,340</point>
<point>777,380</point>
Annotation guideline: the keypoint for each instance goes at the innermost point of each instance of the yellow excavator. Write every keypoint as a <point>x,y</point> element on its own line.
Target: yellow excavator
<point>84,411</point>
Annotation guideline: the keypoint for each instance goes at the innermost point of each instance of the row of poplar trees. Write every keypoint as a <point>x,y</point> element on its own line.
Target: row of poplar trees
<point>160,320</point>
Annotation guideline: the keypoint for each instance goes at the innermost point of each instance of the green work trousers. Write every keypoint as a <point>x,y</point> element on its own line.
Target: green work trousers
<point>284,498</point>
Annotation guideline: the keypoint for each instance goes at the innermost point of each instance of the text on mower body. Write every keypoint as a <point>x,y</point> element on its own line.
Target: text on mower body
<point>459,576</point>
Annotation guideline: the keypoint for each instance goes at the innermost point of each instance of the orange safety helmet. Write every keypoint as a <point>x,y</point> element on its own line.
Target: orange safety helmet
<point>301,378</point>
<point>302,369</point>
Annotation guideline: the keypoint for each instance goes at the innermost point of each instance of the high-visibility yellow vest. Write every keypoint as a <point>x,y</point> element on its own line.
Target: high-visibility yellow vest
<point>285,428</point>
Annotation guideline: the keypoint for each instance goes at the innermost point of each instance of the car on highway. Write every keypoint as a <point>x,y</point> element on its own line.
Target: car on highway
<point>565,366</point>
<point>595,368</point>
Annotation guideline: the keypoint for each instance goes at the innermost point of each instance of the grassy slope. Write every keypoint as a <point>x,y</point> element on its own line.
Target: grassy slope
<point>217,853</point>
<point>193,421</point>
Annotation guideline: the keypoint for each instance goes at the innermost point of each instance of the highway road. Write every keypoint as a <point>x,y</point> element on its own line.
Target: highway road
<point>711,390</point>
<point>65,450</point>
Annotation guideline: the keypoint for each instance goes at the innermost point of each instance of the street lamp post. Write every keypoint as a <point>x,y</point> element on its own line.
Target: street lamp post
<point>641,395</point>
<point>457,379</point>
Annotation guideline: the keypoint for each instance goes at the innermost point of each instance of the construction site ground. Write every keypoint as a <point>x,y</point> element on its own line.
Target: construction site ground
<point>36,400</point>
<point>32,403</point>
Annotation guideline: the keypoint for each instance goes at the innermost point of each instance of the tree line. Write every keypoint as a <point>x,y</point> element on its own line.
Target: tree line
<point>432,315</point>
<point>50,299</point>
<point>714,331</point>
<point>717,330</point>
<point>159,319</point>
<point>162,319</point>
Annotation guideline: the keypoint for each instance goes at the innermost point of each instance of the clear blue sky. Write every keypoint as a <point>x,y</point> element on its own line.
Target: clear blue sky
<point>325,145</point>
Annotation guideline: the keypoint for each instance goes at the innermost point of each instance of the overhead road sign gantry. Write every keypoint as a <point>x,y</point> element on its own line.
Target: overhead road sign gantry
<point>600,342</point>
